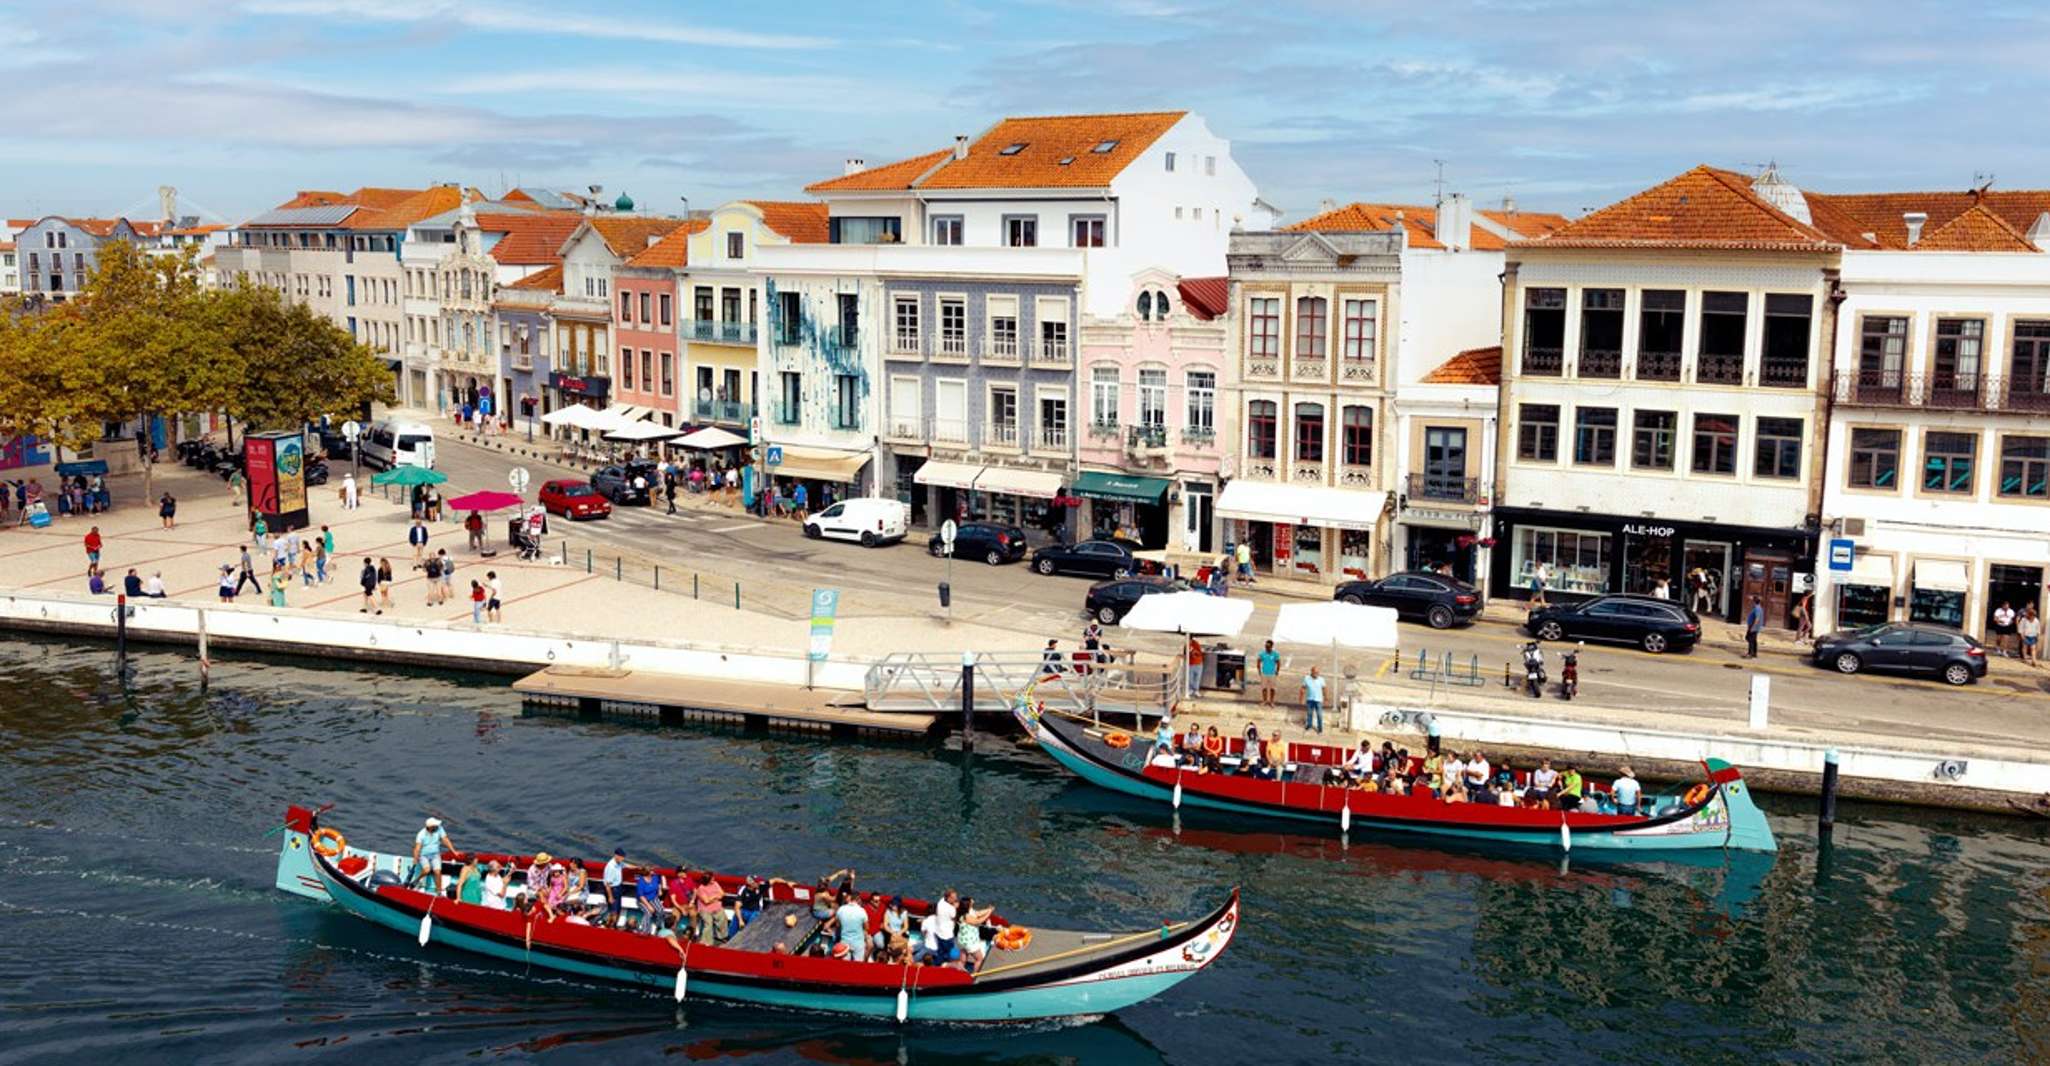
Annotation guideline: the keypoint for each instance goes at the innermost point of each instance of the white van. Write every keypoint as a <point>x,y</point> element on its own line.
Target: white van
<point>389,444</point>
<point>869,520</point>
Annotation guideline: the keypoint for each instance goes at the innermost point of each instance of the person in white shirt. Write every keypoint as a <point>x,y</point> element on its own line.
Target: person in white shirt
<point>494,887</point>
<point>1361,766</point>
<point>1454,775</point>
<point>1542,781</point>
<point>154,587</point>
<point>1625,791</point>
<point>944,913</point>
<point>1477,771</point>
<point>615,877</point>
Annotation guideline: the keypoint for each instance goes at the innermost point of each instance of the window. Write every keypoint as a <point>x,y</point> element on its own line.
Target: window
<point>1264,334</point>
<point>790,389</point>
<point>1053,419</point>
<point>1170,162</point>
<point>1053,339</point>
<point>1651,439</point>
<point>626,367</point>
<point>1104,147</point>
<point>854,229</point>
<point>1003,415</point>
<point>729,305</point>
<point>1003,326</point>
<point>846,401</point>
<point>1310,327</point>
<point>2025,467</point>
<point>1715,444</point>
<point>736,246</point>
<point>647,369</point>
<point>1601,333</point>
<point>1103,397</point>
<point>1594,436</point>
<point>1012,149</point>
<point>2028,383</point>
<point>1947,460</point>
<point>667,300</point>
<point>1359,330</point>
<point>946,229</point>
<point>1537,432</point>
<point>789,322</point>
<point>1875,459</point>
<point>1779,448</point>
<point>1152,397</point>
<point>1086,231</point>
<point>1021,231</point>
<point>1579,561</point>
<point>1202,417</point>
<point>1544,332</point>
<point>1356,435</point>
<point>849,306</point>
<point>701,303</point>
<point>904,335</point>
<point>626,301</point>
<point>1260,432</point>
<point>1959,345</point>
<point>1209,166</point>
<point>1721,359</point>
<point>1784,361</point>
<point>646,300</point>
<point>954,326</point>
<point>1309,432</point>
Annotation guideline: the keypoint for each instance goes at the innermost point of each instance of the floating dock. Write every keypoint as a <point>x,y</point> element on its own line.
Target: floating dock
<point>674,698</point>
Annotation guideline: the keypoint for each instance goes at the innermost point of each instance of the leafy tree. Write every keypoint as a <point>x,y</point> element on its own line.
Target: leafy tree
<point>293,366</point>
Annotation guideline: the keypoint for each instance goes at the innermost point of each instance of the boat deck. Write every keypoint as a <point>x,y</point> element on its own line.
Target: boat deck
<point>673,697</point>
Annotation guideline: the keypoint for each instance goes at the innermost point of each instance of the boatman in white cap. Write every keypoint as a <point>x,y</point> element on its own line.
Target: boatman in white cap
<point>428,844</point>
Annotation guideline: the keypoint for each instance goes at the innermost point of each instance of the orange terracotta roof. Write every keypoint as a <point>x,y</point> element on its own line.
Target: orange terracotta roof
<point>885,178</point>
<point>21,223</point>
<point>799,222</point>
<point>529,239</point>
<point>197,231</point>
<point>1977,230</point>
<point>1850,217</point>
<point>1206,298</point>
<point>1527,223</point>
<point>425,203</point>
<point>629,236</point>
<point>1474,366</point>
<point>314,198</point>
<point>673,250</point>
<point>374,196</point>
<point>549,280</point>
<point>1702,208</point>
<point>517,196</point>
<point>6,246</point>
<point>101,227</point>
<point>1047,141</point>
<point>1420,221</point>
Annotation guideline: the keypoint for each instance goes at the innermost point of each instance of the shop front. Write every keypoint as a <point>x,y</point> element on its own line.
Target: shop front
<point>2015,586</point>
<point>1937,593</point>
<point>1131,506</point>
<point>1306,532</point>
<point>579,388</point>
<point>1710,567</point>
<point>1864,596</point>
<point>1435,539</point>
<point>827,474</point>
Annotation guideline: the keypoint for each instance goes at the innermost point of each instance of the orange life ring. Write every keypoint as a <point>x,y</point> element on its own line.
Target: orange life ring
<point>1697,795</point>
<point>1014,938</point>
<point>1118,740</point>
<point>328,843</point>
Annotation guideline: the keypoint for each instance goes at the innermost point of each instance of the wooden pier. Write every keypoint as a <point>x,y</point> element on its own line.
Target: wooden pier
<point>675,699</point>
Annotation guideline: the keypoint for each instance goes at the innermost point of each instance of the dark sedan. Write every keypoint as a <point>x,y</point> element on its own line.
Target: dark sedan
<point>1097,558</point>
<point>632,483</point>
<point>1651,623</point>
<point>1420,595</point>
<point>1108,601</point>
<point>1904,648</point>
<point>992,542</point>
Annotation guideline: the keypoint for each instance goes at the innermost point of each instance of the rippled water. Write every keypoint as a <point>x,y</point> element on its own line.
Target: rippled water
<point>137,914</point>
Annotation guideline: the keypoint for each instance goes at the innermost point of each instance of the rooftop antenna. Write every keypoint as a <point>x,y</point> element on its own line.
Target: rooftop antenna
<point>1982,180</point>
<point>1440,196</point>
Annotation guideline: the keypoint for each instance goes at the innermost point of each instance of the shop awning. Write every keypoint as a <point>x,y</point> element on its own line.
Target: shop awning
<point>1942,575</point>
<point>1874,570</point>
<point>1038,484</point>
<point>947,475</point>
<point>1107,486</point>
<point>820,464</point>
<point>1300,505</point>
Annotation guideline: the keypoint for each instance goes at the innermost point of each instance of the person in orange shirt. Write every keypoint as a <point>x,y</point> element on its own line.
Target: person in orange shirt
<point>1195,666</point>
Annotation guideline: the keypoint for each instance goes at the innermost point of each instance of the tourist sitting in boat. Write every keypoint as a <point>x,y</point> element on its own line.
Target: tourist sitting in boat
<point>469,883</point>
<point>1544,783</point>
<point>647,901</point>
<point>494,886</point>
<point>554,891</point>
<point>748,903</point>
<point>1572,787</point>
<point>1213,750</point>
<point>969,941</point>
<point>850,926</point>
<point>897,951</point>
<point>708,921</point>
<point>1478,774</point>
<point>573,913</point>
<point>1625,791</point>
<point>1394,783</point>
<point>1163,740</point>
<point>895,923</point>
<point>1434,773</point>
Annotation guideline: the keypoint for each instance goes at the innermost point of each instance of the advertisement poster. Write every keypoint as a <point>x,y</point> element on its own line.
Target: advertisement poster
<point>275,464</point>
<point>291,468</point>
<point>825,608</point>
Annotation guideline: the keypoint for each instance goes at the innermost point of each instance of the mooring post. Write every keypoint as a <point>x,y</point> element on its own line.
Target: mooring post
<point>204,665</point>
<point>121,628</point>
<point>1829,772</point>
<point>967,701</point>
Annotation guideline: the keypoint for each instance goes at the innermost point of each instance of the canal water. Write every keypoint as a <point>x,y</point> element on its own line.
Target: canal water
<point>137,917</point>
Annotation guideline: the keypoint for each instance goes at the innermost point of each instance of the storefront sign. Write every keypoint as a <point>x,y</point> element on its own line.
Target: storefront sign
<point>825,607</point>
<point>1639,529</point>
<point>1841,553</point>
<point>593,386</point>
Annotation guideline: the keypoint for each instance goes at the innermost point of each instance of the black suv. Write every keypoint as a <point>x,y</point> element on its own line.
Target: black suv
<point>1651,623</point>
<point>991,542</point>
<point>617,483</point>
<point>1439,601</point>
<point>1108,601</point>
<point>1100,558</point>
<point>1905,648</point>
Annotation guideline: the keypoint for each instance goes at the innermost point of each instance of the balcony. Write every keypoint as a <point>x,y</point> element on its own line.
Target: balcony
<point>785,413</point>
<point>2022,394</point>
<point>1356,371</point>
<point>1356,477</point>
<point>1103,430</point>
<point>1719,370</point>
<point>953,348</point>
<point>1052,439</point>
<point>1953,390</point>
<point>1892,387</point>
<point>1875,387</point>
<point>1052,354</point>
<point>1306,473</point>
<point>1146,442</point>
<point>1601,363</point>
<point>907,428</point>
<point>1658,366</point>
<point>1310,370</point>
<point>1001,351</point>
<point>1199,436</point>
<point>1260,469</point>
<point>1439,488</point>
<point>1544,362</point>
<point>1000,435</point>
<point>732,412</point>
<point>1783,372</point>
<point>905,344</point>
<point>949,431</point>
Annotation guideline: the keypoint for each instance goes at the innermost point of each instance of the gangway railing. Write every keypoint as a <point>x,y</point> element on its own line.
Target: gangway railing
<point>1117,685</point>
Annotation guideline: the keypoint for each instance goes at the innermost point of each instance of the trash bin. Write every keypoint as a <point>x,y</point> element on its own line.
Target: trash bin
<point>1226,668</point>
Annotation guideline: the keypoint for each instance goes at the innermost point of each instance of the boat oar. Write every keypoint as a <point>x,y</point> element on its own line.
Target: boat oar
<point>683,972</point>
<point>1345,817</point>
<point>427,920</point>
<point>1565,834</point>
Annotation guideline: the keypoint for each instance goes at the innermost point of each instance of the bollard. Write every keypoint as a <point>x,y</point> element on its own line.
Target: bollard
<point>121,628</point>
<point>1828,819</point>
<point>1506,683</point>
<point>204,665</point>
<point>619,568</point>
<point>693,585</point>
<point>736,595</point>
<point>967,701</point>
<point>658,579</point>
<point>589,562</point>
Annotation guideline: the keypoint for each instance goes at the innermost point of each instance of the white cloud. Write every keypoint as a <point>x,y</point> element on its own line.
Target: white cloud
<point>497,18</point>
<point>797,91</point>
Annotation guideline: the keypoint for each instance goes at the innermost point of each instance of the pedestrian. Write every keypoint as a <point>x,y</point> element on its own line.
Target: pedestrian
<point>384,583</point>
<point>1540,579</point>
<point>2002,629</point>
<point>248,573</point>
<point>1313,701</point>
<point>495,596</point>
<point>417,537</point>
<point>167,509</point>
<point>797,500</point>
<point>228,584</point>
<point>474,526</point>
<point>669,489</point>
<point>293,546</point>
<point>432,568</point>
<point>1195,658</point>
<point>327,544</point>
<point>93,544</point>
<point>476,603</point>
<point>1270,673</point>
<point>1804,618</point>
<point>237,482</point>
<point>2030,627</point>
<point>1244,554</point>
<point>368,579</point>
<point>1754,623</point>
<point>448,575</point>
<point>277,590</point>
<point>349,501</point>
<point>311,563</point>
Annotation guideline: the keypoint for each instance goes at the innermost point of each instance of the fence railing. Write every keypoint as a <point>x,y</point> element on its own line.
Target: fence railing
<point>724,590</point>
<point>1116,685</point>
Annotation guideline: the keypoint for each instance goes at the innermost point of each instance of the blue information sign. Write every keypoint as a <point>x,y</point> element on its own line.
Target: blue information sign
<point>773,455</point>
<point>1841,551</point>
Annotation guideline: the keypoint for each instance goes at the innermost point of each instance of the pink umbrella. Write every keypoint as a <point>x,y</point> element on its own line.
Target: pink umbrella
<point>486,501</point>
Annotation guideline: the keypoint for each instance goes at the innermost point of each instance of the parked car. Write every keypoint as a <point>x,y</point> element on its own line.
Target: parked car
<point>871,520</point>
<point>1107,601</point>
<point>992,542</point>
<point>627,483</point>
<point>1904,648</point>
<point>333,444</point>
<point>389,444</point>
<point>1102,557</point>
<point>1439,601</point>
<point>573,499</point>
<point>1651,623</point>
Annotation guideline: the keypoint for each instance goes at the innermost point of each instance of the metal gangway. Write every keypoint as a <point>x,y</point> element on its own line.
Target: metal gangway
<point>1119,686</point>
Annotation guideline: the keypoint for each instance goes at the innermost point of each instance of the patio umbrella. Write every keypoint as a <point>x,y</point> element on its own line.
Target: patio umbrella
<point>709,438</point>
<point>1194,613</point>
<point>640,431</point>
<point>488,500</point>
<point>408,475</point>
<point>1336,623</point>
<point>576,416</point>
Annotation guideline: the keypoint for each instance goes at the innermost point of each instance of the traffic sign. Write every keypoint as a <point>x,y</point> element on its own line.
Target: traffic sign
<point>773,455</point>
<point>518,478</point>
<point>351,430</point>
<point>1841,552</point>
<point>947,531</point>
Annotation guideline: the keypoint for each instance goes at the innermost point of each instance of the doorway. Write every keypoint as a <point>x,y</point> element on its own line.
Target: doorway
<point>1429,549</point>
<point>1707,576</point>
<point>1769,576</point>
<point>2016,586</point>
<point>1196,517</point>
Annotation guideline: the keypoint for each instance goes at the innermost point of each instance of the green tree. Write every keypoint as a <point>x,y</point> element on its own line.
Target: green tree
<point>293,366</point>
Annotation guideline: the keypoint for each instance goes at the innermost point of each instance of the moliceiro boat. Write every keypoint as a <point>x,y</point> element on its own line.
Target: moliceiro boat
<point>1715,813</point>
<point>1028,974</point>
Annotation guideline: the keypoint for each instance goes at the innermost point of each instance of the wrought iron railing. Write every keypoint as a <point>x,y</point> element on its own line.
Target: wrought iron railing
<point>1443,488</point>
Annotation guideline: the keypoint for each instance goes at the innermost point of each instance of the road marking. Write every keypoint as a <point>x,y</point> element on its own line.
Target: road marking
<point>734,528</point>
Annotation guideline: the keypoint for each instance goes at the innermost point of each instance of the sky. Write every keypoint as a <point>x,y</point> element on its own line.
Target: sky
<point>1565,105</point>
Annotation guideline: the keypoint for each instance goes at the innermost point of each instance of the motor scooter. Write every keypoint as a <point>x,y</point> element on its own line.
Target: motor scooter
<point>1534,670</point>
<point>1569,673</point>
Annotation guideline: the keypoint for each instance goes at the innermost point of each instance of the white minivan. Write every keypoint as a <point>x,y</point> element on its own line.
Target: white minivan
<point>389,444</point>
<point>869,520</point>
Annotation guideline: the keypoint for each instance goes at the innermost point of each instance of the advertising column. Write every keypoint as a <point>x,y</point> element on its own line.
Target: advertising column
<point>275,464</point>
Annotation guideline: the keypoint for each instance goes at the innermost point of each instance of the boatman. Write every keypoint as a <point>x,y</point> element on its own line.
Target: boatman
<point>615,876</point>
<point>428,844</point>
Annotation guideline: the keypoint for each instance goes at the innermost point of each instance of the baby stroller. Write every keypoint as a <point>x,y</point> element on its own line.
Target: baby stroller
<point>524,541</point>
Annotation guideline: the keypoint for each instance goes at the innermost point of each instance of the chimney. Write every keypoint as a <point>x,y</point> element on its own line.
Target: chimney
<point>853,166</point>
<point>1455,222</point>
<point>1326,206</point>
<point>1508,205</point>
<point>1915,221</point>
<point>960,146</point>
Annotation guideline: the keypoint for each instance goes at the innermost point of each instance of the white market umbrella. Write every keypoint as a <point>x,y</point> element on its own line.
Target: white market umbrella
<point>709,438</point>
<point>1194,613</point>
<point>640,431</point>
<point>1337,624</point>
<point>610,420</point>
<point>576,416</point>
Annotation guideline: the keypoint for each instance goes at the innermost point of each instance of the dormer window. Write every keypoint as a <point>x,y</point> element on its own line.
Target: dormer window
<point>1067,159</point>
<point>1012,149</point>
<point>1103,147</point>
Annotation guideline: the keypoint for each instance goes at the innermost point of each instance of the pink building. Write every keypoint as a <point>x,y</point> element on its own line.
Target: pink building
<point>647,290</point>
<point>1149,453</point>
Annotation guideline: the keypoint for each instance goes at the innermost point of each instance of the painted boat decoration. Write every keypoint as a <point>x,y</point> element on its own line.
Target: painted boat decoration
<point>1718,813</point>
<point>1056,974</point>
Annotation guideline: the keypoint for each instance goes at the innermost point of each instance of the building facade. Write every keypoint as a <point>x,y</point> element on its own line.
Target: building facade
<point>646,290</point>
<point>585,367</point>
<point>526,335</point>
<point>58,254</point>
<point>1445,451</point>
<point>722,308</point>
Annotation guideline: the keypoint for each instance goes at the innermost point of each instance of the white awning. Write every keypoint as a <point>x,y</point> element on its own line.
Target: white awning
<point>947,475</point>
<point>1942,575</point>
<point>1873,570</point>
<point>1036,483</point>
<point>821,464</point>
<point>709,438</point>
<point>1300,505</point>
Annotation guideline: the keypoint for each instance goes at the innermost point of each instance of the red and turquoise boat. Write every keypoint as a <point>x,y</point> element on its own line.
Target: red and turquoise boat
<point>1714,813</point>
<point>1055,974</point>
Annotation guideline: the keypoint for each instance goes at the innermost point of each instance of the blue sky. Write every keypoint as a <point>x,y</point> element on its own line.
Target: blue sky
<point>1565,104</point>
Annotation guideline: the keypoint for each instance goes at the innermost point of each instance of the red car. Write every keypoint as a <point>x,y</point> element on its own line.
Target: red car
<point>574,499</point>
